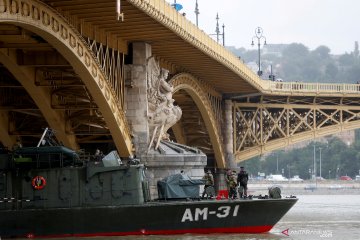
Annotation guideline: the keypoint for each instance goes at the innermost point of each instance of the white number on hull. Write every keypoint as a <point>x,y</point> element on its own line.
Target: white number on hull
<point>225,210</point>
<point>201,214</point>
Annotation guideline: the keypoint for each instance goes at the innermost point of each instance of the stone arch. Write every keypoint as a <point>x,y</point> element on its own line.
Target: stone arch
<point>47,23</point>
<point>197,92</point>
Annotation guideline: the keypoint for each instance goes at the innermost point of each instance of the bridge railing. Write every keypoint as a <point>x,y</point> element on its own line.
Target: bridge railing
<point>166,14</point>
<point>339,88</point>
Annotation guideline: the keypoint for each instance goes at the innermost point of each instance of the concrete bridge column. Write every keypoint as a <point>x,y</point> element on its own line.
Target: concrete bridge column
<point>168,159</point>
<point>136,99</point>
<point>229,135</point>
<point>228,131</point>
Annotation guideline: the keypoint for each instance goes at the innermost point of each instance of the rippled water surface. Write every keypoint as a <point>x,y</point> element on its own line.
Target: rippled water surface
<point>312,217</point>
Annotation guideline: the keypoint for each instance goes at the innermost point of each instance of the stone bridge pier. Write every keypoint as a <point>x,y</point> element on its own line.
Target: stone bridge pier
<point>150,111</point>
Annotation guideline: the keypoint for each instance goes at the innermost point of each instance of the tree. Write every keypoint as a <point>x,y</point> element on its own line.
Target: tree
<point>322,52</point>
<point>357,136</point>
<point>252,166</point>
<point>250,56</point>
<point>346,59</point>
<point>295,59</point>
<point>297,63</point>
<point>354,74</point>
<point>356,49</point>
<point>310,70</point>
<point>331,71</point>
<point>295,51</point>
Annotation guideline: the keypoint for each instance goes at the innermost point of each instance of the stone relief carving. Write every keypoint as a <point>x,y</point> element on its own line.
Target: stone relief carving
<point>162,114</point>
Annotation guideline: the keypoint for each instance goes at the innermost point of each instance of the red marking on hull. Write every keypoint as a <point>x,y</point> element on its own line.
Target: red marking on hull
<point>248,229</point>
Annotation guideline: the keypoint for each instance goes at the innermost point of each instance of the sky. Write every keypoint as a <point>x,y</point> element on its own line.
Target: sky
<point>333,23</point>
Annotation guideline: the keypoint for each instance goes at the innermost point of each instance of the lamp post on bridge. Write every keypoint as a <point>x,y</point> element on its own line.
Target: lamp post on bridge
<point>289,169</point>
<point>320,163</point>
<point>217,31</point>
<point>314,170</point>
<point>259,36</point>
<point>326,146</point>
<point>277,159</point>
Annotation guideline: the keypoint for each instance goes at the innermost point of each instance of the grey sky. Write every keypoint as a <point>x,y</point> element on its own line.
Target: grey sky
<point>333,23</point>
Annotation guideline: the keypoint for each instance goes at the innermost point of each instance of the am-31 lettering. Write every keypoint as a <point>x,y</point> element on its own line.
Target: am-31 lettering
<point>201,214</point>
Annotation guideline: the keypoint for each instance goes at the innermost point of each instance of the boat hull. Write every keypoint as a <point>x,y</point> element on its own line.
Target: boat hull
<point>171,217</point>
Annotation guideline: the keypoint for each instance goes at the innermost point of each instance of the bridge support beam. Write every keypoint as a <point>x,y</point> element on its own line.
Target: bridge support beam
<point>136,100</point>
<point>263,124</point>
<point>26,76</point>
<point>170,158</point>
<point>228,131</point>
<point>210,115</point>
<point>47,23</point>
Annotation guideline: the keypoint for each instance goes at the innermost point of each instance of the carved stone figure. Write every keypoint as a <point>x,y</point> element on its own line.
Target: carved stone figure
<point>162,113</point>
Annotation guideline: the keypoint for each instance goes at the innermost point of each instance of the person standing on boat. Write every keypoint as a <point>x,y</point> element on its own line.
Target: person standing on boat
<point>98,156</point>
<point>17,144</point>
<point>242,181</point>
<point>227,179</point>
<point>209,185</point>
<point>232,185</point>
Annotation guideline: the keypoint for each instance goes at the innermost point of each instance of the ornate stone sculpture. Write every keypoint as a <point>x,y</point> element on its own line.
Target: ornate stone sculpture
<point>162,113</point>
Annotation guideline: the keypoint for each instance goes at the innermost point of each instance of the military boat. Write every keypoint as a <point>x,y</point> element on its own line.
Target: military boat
<point>50,191</point>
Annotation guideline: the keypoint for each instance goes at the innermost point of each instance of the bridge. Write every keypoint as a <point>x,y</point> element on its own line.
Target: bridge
<point>83,68</point>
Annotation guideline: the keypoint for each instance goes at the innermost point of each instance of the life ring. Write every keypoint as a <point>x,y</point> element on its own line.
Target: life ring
<point>38,182</point>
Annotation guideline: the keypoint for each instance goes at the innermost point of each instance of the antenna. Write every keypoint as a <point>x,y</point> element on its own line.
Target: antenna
<point>197,13</point>
<point>217,30</point>
<point>223,34</point>
<point>42,137</point>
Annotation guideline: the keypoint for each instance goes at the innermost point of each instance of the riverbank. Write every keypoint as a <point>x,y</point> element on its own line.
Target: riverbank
<point>307,187</point>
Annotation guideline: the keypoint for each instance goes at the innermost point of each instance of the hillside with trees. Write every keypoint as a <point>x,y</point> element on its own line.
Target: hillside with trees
<point>295,62</point>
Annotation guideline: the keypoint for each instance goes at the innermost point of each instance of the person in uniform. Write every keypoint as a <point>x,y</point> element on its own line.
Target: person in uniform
<point>232,185</point>
<point>209,185</point>
<point>98,156</point>
<point>242,181</point>
<point>17,144</point>
<point>227,178</point>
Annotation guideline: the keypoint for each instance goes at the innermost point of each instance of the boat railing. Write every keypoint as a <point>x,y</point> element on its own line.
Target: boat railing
<point>47,201</point>
<point>43,160</point>
<point>84,156</point>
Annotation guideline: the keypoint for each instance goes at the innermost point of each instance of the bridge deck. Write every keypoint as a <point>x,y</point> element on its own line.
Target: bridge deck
<point>311,89</point>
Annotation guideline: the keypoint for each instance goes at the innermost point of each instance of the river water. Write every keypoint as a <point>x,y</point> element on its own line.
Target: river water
<point>312,217</point>
<point>321,217</point>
